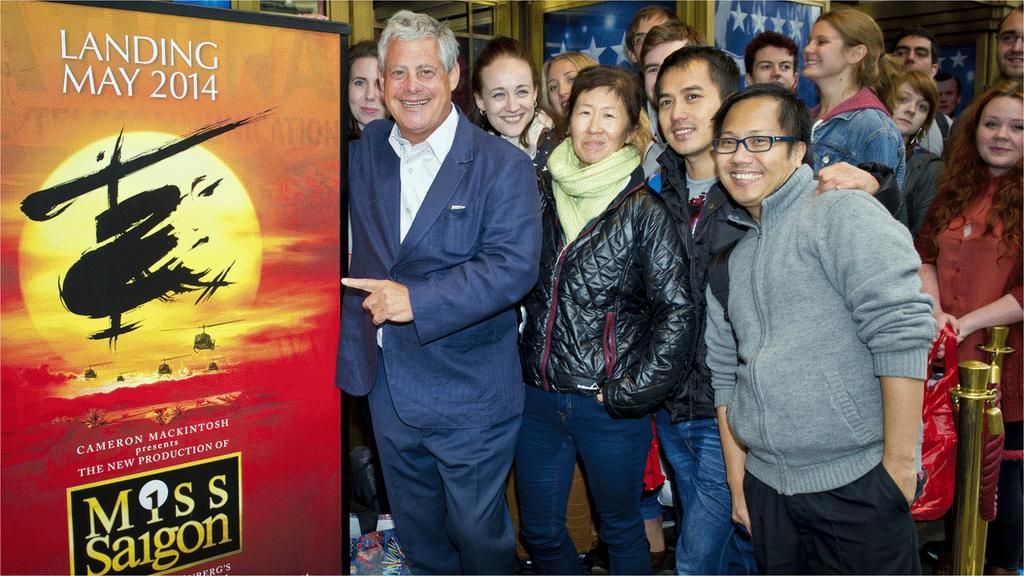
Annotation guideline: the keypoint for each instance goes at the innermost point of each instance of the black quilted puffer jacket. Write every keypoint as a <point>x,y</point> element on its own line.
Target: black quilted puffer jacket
<point>611,312</point>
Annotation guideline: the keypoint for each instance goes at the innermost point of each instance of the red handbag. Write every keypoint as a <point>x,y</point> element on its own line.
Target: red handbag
<point>653,475</point>
<point>938,445</point>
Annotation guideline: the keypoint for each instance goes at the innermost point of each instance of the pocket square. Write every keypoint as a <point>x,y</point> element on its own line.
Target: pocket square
<point>457,207</point>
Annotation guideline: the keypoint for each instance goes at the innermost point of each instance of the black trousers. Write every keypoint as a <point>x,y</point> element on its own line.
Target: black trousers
<point>864,527</point>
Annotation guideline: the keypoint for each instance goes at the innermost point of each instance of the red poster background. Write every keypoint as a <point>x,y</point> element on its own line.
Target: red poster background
<point>273,222</point>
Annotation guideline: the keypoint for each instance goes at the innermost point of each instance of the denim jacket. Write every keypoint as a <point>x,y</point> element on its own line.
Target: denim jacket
<point>859,136</point>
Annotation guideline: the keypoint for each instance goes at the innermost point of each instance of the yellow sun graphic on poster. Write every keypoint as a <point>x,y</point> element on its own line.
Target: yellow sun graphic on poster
<point>192,219</point>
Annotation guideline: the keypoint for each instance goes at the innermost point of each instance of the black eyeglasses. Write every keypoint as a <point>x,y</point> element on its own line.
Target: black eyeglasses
<point>751,143</point>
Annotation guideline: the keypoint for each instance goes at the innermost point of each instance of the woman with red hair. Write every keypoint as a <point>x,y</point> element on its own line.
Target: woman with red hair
<point>970,246</point>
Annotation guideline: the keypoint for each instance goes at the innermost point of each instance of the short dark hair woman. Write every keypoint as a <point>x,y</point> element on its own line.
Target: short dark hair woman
<point>609,326</point>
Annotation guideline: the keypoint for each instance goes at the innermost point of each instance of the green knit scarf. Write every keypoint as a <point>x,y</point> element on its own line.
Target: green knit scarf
<point>583,192</point>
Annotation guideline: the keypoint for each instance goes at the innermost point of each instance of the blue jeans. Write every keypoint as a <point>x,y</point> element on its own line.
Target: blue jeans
<point>709,542</point>
<point>614,451</point>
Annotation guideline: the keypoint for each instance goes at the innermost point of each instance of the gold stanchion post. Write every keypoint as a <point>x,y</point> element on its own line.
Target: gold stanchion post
<point>976,402</point>
<point>997,351</point>
<point>970,397</point>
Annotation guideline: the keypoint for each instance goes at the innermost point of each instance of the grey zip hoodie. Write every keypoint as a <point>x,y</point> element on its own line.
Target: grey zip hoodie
<point>824,298</point>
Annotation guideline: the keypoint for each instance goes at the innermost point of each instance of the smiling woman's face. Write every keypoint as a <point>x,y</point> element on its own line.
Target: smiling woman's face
<point>599,125</point>
<point>508,97</point>
<point>1000,135</point>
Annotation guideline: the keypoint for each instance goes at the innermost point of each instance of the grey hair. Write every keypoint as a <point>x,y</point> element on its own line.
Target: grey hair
<point>409,26</point>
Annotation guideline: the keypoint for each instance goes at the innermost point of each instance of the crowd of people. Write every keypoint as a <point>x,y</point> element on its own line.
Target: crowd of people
<point>609,269</point>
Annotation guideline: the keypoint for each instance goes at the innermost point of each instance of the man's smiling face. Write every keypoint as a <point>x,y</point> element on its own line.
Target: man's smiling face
<point>417,89</point>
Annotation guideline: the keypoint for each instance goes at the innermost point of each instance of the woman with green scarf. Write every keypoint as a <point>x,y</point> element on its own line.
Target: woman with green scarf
<point>609,327</point>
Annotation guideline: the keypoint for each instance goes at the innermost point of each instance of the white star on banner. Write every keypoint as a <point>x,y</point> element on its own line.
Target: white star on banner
<point>796,27</point>
<point>778,23</point>
<point>620,50</point>
<point>758,19</point>
<point>941,60</point>
<point>561,49</point>
<point>959,59</point>
<point>738,16</point>
<point>594,52</point>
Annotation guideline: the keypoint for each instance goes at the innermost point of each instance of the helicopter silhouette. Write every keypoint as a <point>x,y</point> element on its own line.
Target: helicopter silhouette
<point>203,341</point>
<point>213,366</point>
<point>90,374</point>
<point>164,368</point>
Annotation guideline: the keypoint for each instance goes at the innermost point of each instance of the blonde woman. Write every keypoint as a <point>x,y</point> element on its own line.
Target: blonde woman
<point>845,58</point>
<point>558,75</point>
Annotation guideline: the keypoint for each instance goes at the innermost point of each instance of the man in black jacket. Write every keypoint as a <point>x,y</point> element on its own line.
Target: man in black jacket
<point>691,86</point>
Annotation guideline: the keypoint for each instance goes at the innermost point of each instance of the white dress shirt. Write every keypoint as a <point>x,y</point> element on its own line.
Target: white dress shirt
<point>418,167</point>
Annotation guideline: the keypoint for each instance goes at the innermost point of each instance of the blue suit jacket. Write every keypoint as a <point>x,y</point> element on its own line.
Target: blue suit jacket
<point>471,254</point>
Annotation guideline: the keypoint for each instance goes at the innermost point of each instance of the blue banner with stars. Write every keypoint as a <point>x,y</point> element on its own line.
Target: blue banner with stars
<point>597,30</point>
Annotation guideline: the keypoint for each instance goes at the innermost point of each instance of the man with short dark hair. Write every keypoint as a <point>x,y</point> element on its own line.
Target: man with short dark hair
<point>918,49</point>
<point>949,93</point>
<point>817,354</point>
<point>690,86</point>
<point>445,241</point>
<point>661,41</point>
<point>770,58</point>
<point>646,18</point>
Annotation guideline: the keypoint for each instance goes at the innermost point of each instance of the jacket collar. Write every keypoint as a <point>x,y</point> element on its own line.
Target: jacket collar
<point>863,99</point>
<point>676,193</point>
<point>673,170</point>
<point>439,141</point>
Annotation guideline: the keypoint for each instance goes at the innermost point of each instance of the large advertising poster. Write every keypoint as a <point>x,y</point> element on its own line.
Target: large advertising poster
<point>169,225</point>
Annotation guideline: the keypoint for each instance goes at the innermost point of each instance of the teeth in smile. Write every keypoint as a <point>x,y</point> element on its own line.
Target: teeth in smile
<point>745,176</point>
<point>513,119</point>
<point>413,103</point>
<point>682,131</point>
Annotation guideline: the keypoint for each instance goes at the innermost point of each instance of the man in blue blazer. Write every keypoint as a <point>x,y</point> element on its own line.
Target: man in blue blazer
<point>445,241</point>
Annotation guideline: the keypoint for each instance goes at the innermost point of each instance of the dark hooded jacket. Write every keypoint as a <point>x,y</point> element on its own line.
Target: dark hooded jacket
<point>691,396</point>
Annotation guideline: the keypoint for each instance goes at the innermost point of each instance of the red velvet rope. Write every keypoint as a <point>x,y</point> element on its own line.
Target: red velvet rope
<point>990,459</point>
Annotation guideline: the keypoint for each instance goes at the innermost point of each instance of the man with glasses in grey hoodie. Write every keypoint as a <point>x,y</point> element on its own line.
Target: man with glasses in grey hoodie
<point>817,351</point>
